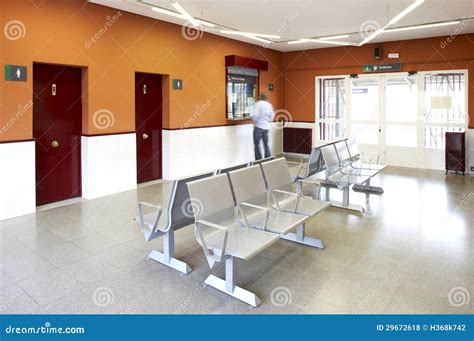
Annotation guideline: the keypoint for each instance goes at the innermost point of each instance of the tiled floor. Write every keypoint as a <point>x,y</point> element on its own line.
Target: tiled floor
<point>411,252</point>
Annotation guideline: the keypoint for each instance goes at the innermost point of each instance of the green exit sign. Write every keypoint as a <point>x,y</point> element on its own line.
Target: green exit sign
<point>15,73</point>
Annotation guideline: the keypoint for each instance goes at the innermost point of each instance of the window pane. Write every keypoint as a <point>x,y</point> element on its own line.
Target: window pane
<point>365,99</point>
<point>434,136</point>
<point>365,133</point>
<point>332,99</point>
<point>331,131</point>
<point>401,135</point>
<point>401,98</point>
<point>445,98</point>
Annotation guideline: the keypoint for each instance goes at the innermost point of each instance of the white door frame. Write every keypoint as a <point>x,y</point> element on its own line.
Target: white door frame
<point>425,157</point>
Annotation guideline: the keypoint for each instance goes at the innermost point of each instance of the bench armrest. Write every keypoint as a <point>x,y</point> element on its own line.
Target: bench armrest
<point>244,216</point>
<point>212,256</point>
<point>146,229</point>
<point>293,194</point>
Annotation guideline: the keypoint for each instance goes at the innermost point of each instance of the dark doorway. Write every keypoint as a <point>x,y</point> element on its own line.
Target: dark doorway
<point>57,129</point>
<point>148,125</point>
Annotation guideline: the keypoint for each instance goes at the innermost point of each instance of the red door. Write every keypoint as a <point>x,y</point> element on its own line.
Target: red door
<point>57,115</point>
<point>148,125</point>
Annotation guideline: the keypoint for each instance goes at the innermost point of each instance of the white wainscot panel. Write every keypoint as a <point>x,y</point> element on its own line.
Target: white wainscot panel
<point>17,179</point>
<point>109,164</point>
<point>196,150</point>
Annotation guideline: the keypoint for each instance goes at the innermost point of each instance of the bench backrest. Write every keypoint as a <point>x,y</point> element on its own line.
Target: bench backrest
<point>249,185</point>
<point>232,168</point>
<point>277,175</point>
<point>342,153</point>
<point>330,157</point>
<point>353,148</point>
<point>257,162</point>
<point>180,208</point>
<point>211,196</point>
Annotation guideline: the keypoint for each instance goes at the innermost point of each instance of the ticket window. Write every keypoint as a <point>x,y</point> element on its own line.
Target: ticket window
<point>242,92</point>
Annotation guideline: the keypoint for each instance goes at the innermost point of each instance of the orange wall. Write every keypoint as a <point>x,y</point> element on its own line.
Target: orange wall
<point>57,32</point>
<point>301,68</point>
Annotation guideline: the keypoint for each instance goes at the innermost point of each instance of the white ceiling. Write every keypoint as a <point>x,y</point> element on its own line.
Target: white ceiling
<point>295,19</point>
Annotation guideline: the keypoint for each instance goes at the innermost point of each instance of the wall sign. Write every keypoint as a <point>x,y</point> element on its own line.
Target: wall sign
<point>177,84</point>
<point>15,73</point>
<point>391,67</point>
<point>394,55</point>
<point>270,87</point>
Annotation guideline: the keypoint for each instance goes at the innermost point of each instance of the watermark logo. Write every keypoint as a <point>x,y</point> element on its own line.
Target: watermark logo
<point>281,296</point>
<point>192,207</point>
<point>367,28</point>
<point>14,30</point>
<point>282,117</point>
<point>103,119</point>
<point>458,297</point>
<point>191,32</point>
<point>110,20</point>
<point>466,198</point>
<point>200,109</point>
<point>459,30</point>
<point>21,110</point>
<point>103,297</point>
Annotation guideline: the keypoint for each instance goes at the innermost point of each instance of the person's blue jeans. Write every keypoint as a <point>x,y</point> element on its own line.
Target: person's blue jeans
<point>260,134</point>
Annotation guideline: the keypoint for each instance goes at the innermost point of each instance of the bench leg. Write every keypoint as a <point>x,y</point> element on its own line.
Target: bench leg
<point>167,256</point>
<point>345,202</point>
<point>367,188</point>
<point>228,285</point>
<point>301,238</point>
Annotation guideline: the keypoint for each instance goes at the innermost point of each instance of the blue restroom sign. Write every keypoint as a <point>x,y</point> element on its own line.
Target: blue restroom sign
<point>15,73</point>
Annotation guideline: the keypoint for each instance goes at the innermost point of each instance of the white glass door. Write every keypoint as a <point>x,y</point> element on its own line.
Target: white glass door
<point>401,120</point>
<point>366,113</point>
<point>399,117</point>
<point>444,109</point>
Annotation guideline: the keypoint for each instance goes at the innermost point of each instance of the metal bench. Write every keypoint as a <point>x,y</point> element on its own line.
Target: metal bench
<point>355,157</point>
<point>221,235</point>
<point>178,214</point>
<point>256,209</point>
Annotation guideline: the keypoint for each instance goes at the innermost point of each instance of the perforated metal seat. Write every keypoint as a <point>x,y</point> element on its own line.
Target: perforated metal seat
<point>178,213</point>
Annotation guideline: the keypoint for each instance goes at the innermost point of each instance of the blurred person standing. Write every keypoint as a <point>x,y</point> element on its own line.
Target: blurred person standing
<point>262,118</point>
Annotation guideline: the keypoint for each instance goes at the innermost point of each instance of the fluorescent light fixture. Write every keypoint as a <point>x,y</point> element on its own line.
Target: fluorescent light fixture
<point>394,20</point>
<point>372,36</point>
<point>319,41</point>
<point>406,11</point>
<point>185,14</point>
<point>178,15</point>
<point>251,34</point>
<point>257,38</point>
<point>417,27</point>
<point>342,36</point>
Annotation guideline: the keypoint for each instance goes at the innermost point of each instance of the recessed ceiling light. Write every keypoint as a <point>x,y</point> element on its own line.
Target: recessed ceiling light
<point>342,36</point>
<point>183,12</point>
<point>251,34</point>
<point>417,27</point>
<point>394,20</point>
<point>406,11</point>
<point>178,15</point>
<point>319,41</point>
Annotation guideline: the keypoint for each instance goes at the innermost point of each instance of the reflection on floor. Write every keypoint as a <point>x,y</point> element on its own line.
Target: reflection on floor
<point>411,252</point>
